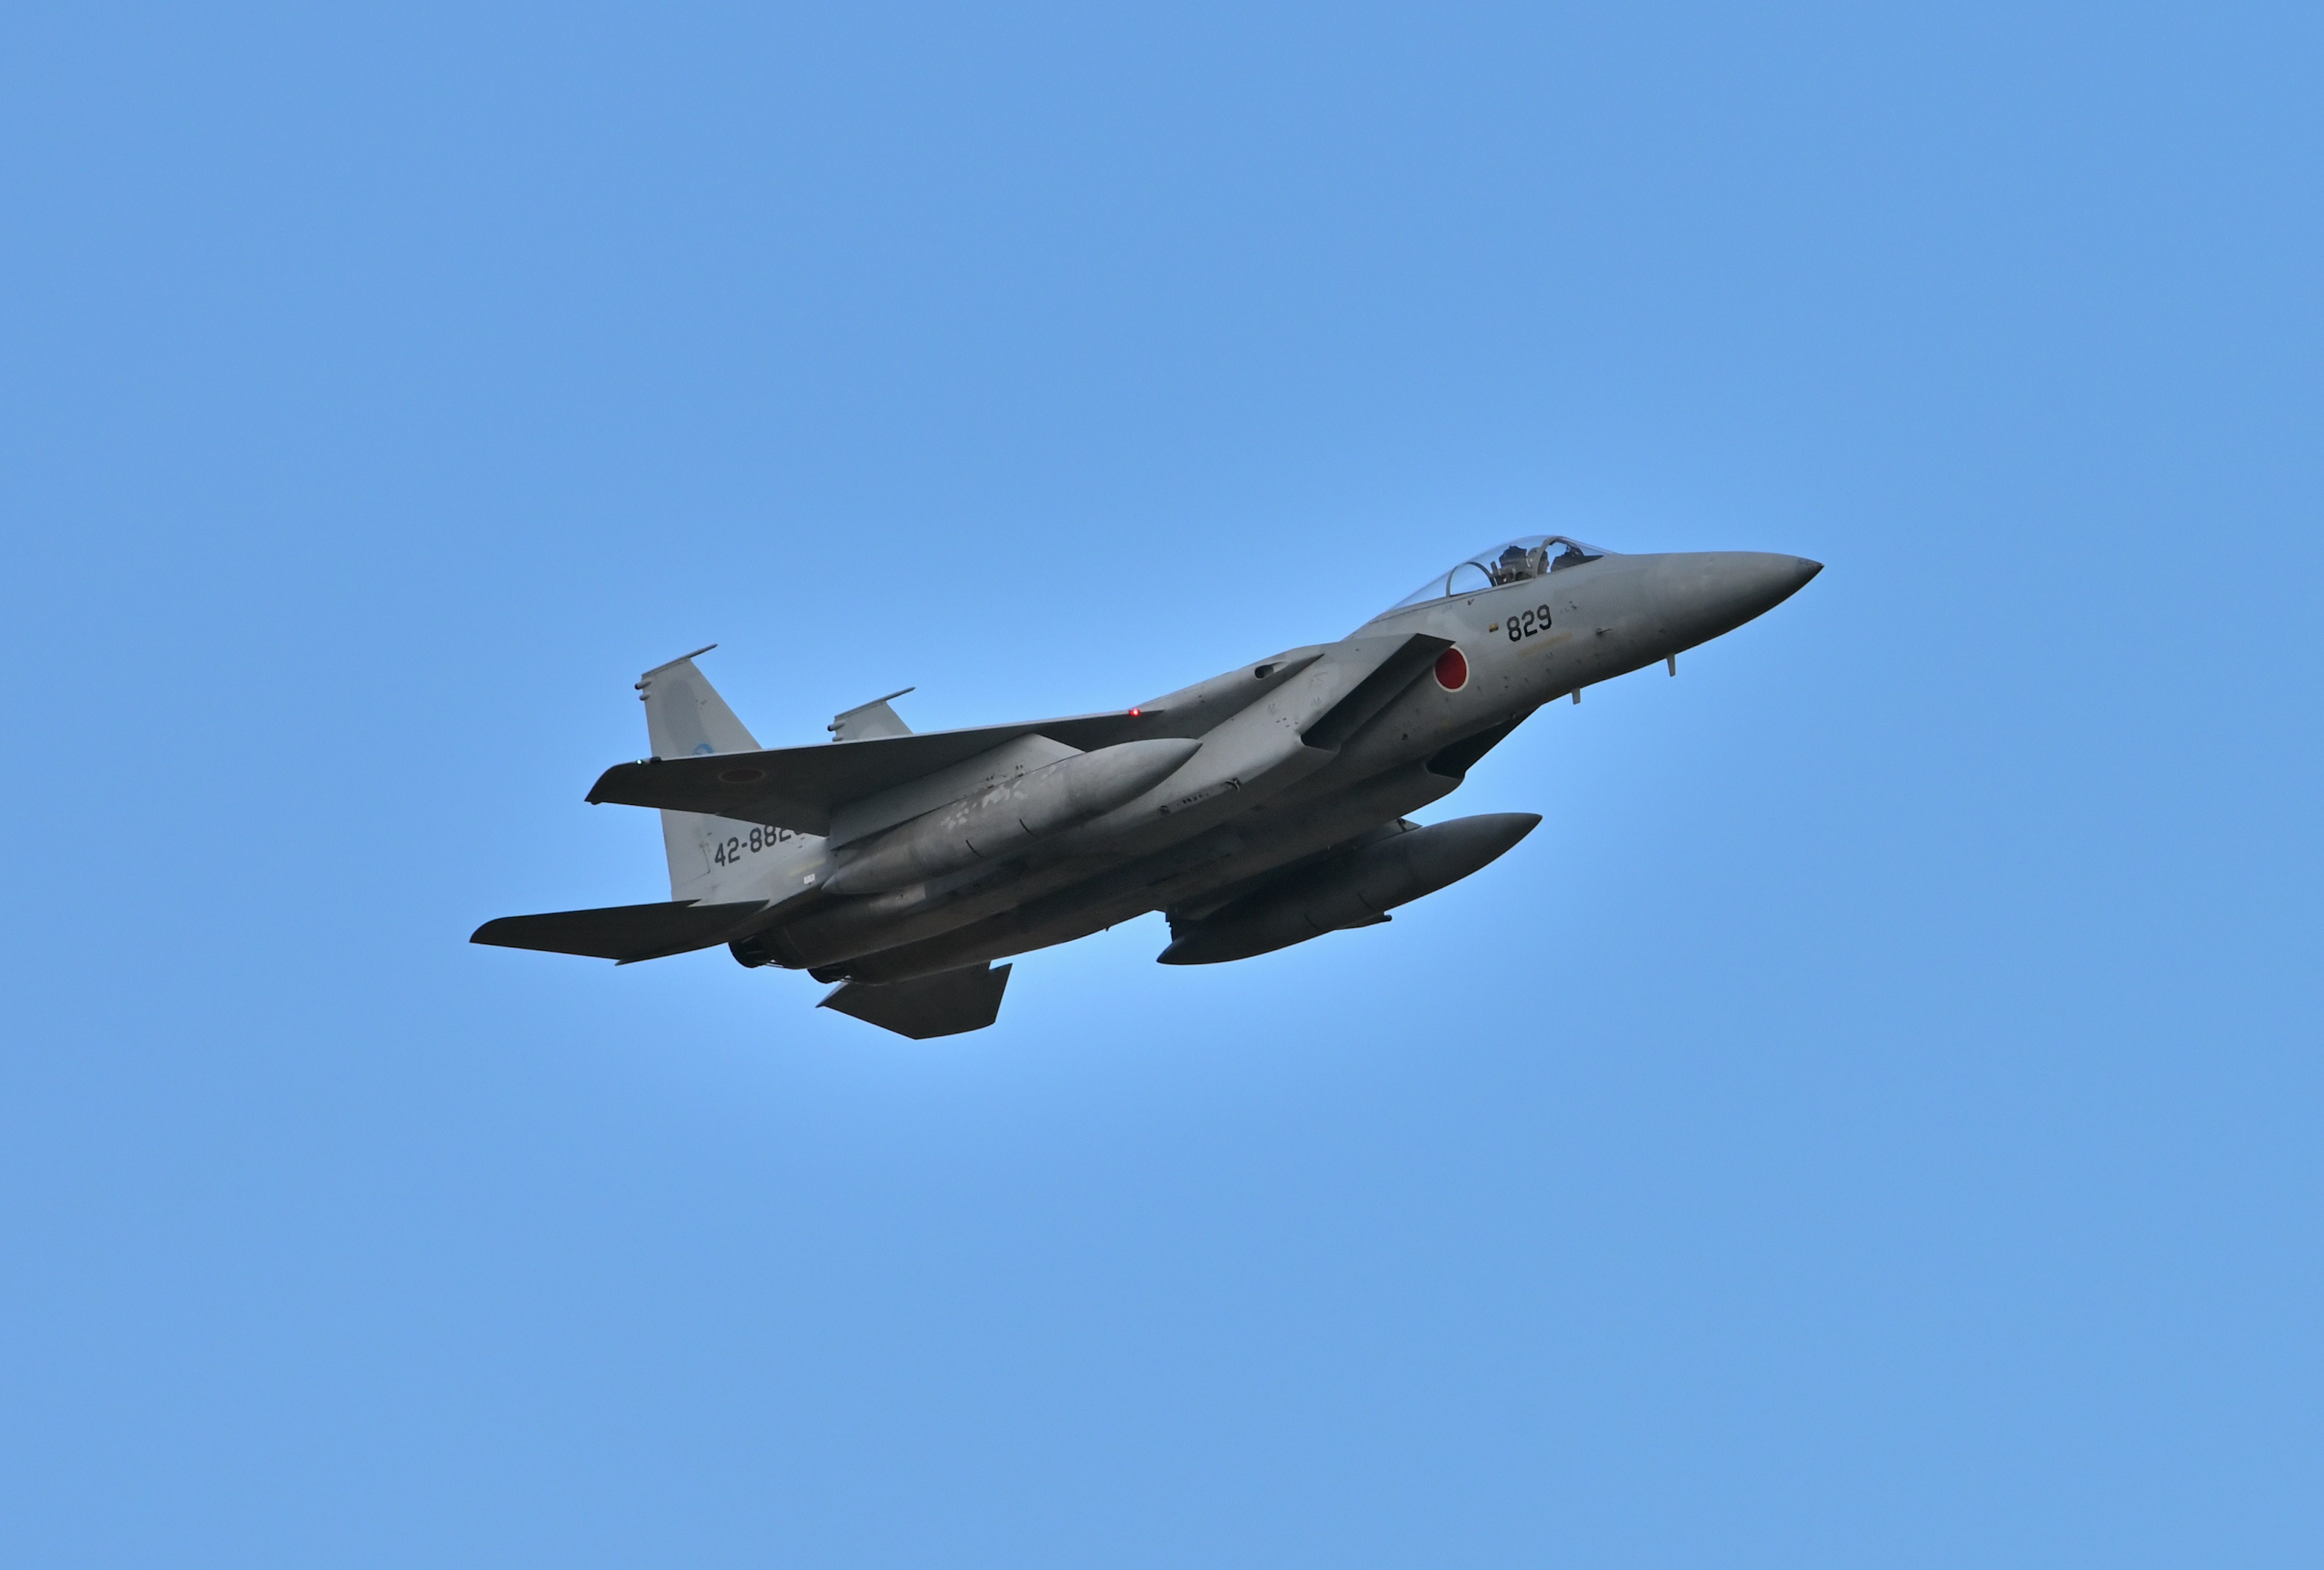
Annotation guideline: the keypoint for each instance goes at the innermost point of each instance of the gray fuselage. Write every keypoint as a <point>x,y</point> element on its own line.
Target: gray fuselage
<point>1303,755</point>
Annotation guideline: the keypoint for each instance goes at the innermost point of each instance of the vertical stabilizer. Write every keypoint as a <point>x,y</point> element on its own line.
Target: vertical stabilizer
<point>866,721</point>
<point>686,718</point>
<point>684,715</point>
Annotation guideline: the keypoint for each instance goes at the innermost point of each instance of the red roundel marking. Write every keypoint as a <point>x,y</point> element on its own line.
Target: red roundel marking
<point>1451,671</point>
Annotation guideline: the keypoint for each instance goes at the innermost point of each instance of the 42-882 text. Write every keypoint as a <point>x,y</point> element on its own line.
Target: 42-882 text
<point>735,847</point>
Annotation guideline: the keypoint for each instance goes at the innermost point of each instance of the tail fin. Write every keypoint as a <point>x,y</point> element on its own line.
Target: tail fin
<point>686,718</point>
<point>866,721</point>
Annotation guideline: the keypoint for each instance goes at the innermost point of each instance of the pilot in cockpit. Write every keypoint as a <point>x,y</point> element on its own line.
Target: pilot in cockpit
<point>1518,562</point>
<point>1515,564</point>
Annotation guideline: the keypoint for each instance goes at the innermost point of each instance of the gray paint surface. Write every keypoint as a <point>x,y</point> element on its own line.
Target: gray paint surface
<point>1275,811</point>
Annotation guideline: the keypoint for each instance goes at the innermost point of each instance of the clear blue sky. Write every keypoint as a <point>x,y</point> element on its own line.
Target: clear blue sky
<point>1874,1122</point>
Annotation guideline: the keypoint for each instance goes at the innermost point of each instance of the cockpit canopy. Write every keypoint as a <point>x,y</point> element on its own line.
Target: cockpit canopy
<point>1529,556</point>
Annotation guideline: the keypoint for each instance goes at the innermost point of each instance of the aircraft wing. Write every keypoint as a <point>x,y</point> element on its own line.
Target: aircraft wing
<point>624,933</point>
<point>796,787</point>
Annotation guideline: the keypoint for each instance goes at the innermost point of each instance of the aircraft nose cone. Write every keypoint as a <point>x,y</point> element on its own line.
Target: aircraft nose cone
<point>1760,580</point>
<point>1706,593</point>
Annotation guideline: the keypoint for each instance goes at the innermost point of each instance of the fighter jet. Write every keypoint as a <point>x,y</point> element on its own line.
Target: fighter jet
<point>1262,808</point>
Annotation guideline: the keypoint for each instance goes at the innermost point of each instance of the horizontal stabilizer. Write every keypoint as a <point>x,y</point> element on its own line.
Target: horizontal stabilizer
<point>625,933</point>
<point>944,1005</point>
<point>796,787</point>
